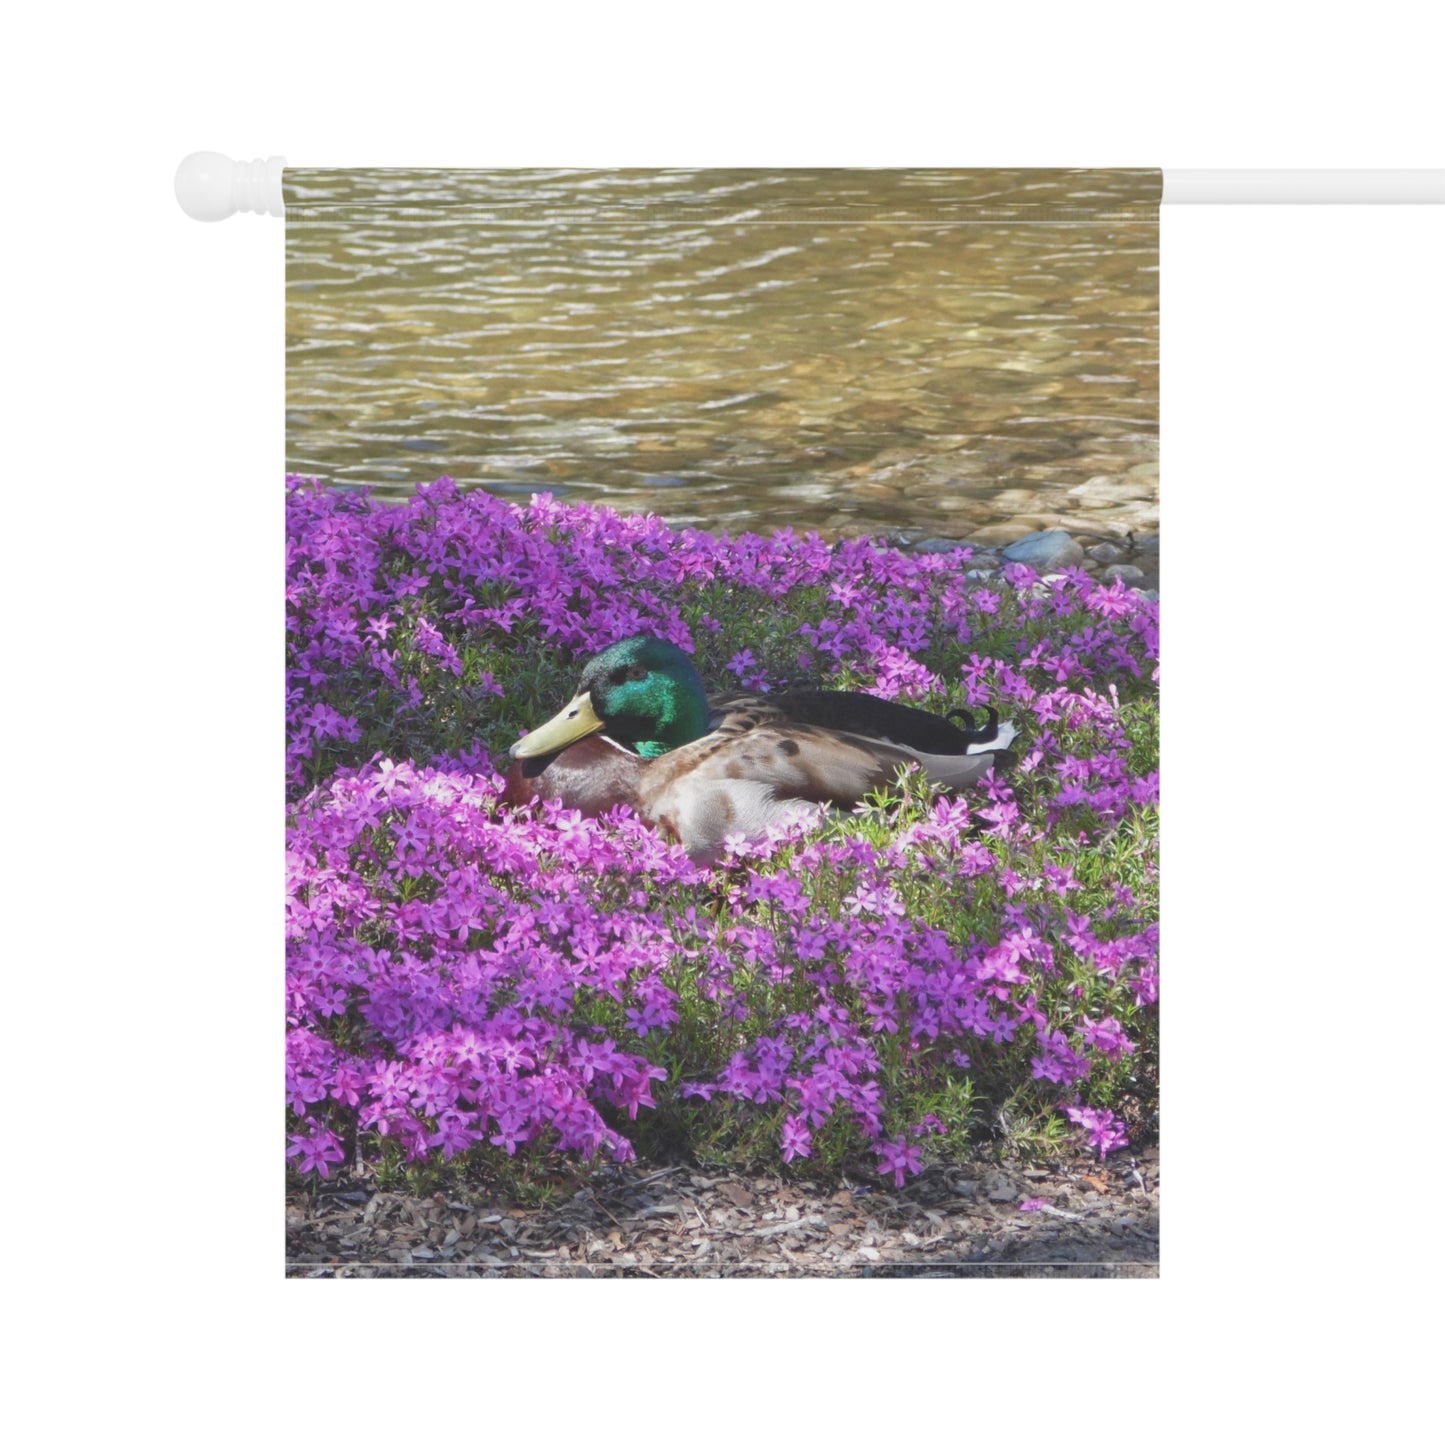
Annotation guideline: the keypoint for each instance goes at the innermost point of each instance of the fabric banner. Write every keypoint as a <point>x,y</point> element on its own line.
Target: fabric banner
<point>722,716</point>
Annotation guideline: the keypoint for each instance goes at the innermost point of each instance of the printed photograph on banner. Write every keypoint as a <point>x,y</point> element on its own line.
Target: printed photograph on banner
<point>722,722</point>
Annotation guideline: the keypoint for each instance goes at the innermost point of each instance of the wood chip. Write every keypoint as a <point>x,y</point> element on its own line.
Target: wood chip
<point>787,1226</point>
<point>674,1222</point>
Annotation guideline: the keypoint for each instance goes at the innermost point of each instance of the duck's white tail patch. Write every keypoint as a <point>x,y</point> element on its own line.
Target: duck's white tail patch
<point>1007,732</point>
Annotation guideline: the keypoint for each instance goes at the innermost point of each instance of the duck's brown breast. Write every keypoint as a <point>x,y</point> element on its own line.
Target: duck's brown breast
<point>592,776</point>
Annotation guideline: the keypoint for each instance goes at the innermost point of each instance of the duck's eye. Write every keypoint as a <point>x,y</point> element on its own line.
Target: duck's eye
<point>636,672</point>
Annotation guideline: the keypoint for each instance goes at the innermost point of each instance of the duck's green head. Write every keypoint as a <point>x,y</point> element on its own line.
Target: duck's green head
<point>644,692</point>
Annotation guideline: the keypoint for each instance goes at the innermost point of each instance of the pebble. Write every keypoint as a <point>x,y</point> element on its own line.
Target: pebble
<point>1001,1191</point>
<point>1046,548</point>
<point>1045,551</point>
<point>1104,491</point>
<point>1015,499</point>
<point>1043,521</point>
<point>1119,521</point>
<point>880,491</point>
<point>1129,576</point>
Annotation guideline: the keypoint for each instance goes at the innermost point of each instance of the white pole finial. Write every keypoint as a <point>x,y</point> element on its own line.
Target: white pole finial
<point>211,187</point>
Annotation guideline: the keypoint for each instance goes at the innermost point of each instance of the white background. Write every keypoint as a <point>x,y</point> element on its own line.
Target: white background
<point>1302,532</point>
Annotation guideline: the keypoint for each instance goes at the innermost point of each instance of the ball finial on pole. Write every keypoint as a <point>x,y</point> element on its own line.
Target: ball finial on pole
<point>211,187</point>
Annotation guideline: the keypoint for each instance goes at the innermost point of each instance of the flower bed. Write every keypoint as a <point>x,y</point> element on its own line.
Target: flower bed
<point>903,982</point>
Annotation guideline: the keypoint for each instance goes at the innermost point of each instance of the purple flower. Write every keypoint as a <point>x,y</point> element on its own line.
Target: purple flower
<point>458,974</point>
<point>316,1150</point>
<point>1104,1130</point>
<point>899,1159</point>
<point>797,1139</point>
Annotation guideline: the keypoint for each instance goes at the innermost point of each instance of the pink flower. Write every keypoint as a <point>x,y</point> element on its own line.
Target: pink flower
<point>797,1138</point>
<point>458,975</point>
<point>899,1159</point>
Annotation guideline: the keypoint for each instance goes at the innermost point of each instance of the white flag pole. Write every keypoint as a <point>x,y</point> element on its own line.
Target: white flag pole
<point>211,187</point>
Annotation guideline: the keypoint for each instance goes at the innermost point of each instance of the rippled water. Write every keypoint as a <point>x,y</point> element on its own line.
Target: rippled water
<point>926,351</point>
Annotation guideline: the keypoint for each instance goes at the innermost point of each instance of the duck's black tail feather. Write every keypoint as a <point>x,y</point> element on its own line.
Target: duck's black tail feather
<point>892,722</point>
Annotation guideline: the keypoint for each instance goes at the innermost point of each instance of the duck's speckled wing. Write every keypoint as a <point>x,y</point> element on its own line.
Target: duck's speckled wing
<point>752,773</point>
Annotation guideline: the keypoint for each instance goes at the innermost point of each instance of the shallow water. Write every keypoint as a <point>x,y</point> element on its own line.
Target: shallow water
<point>921,352</point>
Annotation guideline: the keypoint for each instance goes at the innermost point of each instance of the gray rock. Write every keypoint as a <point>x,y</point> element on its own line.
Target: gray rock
<point>1000,1191</point>
<point>1107,552</point>
<point>939,544</point>
<point>1129,576</point>
<point>1045,551</point>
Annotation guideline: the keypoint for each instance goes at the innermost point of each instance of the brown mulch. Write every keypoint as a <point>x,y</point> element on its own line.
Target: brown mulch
<point>1098,1220</point>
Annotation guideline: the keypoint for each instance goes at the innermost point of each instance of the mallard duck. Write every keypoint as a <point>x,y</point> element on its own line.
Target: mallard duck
<point>642,731</point>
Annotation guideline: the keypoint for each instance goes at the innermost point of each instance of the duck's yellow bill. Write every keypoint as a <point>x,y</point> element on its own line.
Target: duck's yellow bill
<point>575,721</point>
